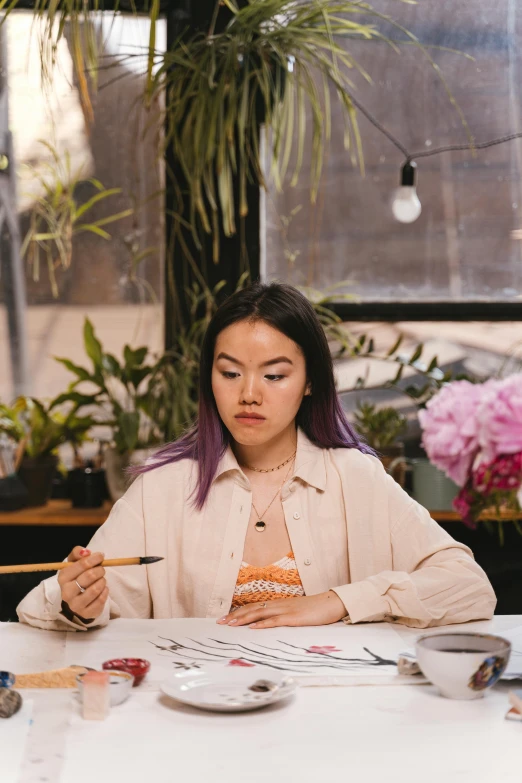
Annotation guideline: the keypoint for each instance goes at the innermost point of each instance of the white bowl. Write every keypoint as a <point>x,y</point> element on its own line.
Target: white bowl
<point>462,665</point>
<point>120,686</point>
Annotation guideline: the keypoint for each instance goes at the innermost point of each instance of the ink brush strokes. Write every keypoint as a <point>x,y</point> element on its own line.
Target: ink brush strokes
<point>123,561</point>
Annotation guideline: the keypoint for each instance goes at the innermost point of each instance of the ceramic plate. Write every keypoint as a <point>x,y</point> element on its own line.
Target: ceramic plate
<point>229,689</point>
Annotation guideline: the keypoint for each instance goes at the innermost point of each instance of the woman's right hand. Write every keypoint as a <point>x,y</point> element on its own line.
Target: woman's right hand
<point>88,573</point>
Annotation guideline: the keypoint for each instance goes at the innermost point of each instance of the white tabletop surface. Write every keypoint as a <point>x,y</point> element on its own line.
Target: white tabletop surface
<point>372,733</point>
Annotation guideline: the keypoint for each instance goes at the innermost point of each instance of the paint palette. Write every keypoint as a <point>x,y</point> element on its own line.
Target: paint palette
<point>229,689</point>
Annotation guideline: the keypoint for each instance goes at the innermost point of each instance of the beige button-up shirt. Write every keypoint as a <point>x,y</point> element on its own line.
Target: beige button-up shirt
<point>352,529</point>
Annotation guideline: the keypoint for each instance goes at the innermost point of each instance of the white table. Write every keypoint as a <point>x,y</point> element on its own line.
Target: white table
<point>393,734</point>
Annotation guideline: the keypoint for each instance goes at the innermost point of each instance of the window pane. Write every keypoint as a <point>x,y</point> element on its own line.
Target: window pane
<point>116,280</point>
<point>467,243</point>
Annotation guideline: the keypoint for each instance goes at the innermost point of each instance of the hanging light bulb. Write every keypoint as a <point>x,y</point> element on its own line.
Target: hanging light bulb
<point>405,204</point>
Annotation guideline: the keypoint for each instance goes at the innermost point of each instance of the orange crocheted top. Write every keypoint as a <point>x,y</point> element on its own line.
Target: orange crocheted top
<point>257,584</point>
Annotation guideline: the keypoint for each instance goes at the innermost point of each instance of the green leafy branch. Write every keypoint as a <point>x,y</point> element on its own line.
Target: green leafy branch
<point>57,217</point>
<point>42,427</point>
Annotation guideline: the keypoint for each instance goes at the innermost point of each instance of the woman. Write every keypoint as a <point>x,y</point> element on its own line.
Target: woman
<point>269,511</point>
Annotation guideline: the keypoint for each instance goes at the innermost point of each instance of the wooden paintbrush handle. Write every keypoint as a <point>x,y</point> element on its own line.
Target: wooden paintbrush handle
<point>29,567</point>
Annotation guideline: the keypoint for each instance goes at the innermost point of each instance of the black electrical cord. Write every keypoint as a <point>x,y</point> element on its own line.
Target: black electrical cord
<point>437,150</point>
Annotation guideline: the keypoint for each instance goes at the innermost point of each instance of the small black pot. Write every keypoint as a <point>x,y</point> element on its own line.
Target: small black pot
<point>37,474</point>
<point>13,494</point>
<point>87,487</point>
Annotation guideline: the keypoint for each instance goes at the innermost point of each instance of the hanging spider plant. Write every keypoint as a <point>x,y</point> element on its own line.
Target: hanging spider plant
<point>57,216</point>
<point>275,62</point>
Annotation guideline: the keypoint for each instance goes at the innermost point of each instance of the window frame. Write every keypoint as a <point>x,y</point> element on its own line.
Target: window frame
<point>396,310</point>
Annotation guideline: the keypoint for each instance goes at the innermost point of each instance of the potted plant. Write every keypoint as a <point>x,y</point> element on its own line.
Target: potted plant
<point>473,432</point>
<point>40,429</point>
<point>381,428</point>
<point>146,400</point>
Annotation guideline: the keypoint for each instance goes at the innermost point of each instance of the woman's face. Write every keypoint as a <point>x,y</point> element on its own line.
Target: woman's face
<point>257,370</point>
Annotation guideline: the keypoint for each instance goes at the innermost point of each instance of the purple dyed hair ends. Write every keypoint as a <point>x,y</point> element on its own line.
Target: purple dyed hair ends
<point>320,416</point>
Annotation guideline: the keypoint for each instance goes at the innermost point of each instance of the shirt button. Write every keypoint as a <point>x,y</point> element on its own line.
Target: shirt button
<point>307,562</point>
<point>292,488</point>
<point>297,515</point>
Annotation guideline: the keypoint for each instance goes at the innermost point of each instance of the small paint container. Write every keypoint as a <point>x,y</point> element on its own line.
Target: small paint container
<point>138,667</point>
<point>7,680</point>
<point>120,686</point>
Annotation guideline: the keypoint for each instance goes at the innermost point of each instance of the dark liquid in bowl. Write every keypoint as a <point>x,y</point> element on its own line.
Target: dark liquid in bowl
<point>460,650</point>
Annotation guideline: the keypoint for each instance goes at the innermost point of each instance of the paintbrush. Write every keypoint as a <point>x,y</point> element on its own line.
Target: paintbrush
<point>54,678</point>
<point>123,561</point>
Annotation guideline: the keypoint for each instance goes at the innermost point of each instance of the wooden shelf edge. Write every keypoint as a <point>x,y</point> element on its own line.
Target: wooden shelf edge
<point>452,516</point>
<point>57,513</point>
<point>60,513</point>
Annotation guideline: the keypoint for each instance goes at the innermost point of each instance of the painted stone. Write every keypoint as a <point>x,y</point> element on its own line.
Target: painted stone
<point>10,702</point>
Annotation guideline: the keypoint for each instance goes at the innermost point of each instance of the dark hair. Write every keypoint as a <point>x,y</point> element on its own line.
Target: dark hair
<point>320,415</point>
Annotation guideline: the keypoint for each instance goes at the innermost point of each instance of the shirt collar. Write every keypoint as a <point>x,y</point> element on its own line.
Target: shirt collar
<point>309,463</point>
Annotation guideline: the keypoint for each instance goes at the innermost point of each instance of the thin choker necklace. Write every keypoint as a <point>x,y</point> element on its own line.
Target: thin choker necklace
<point>271,470</point>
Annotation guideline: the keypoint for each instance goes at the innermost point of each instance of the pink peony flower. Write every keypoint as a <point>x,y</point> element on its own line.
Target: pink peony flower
<point>451,428</point>
<point>500,418</point>
<point>495,484</point>
<point>503,474</point>
<point>463,504</point>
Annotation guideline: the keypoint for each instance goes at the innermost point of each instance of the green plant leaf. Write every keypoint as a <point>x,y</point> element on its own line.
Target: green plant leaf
<point>94,200</point>
<point>81,372</point>
<point>395,347</point>
<point>129,423</point>
<point>93,347</point>
<point>110,218</point>
<point>111,365</point>
<point>77,398</point>
<point>93,229</point>
<point>134,358</point>
<point>416,354</point>
<point>138,374</point>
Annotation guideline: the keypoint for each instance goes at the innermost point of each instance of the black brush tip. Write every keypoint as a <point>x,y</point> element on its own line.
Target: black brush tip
<point>149,560</point>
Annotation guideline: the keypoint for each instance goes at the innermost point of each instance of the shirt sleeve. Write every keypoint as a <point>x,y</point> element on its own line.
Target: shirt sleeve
<point>122,535</point>
<point>434,580</point>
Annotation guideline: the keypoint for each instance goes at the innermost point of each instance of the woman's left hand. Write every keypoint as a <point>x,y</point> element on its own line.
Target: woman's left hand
<point>321,609</point>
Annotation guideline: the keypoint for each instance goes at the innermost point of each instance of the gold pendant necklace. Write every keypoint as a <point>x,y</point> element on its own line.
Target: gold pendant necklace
<point>260,525</point>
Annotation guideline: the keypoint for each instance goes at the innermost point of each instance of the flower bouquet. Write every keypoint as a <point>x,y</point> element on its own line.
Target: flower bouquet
<point>473,432</point>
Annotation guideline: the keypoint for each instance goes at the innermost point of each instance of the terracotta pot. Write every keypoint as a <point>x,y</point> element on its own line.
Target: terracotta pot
<point>37,474</point>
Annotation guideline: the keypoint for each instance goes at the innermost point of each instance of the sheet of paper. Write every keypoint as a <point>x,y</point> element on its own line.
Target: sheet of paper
<point>333,654</point>
<point>13,741</point>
